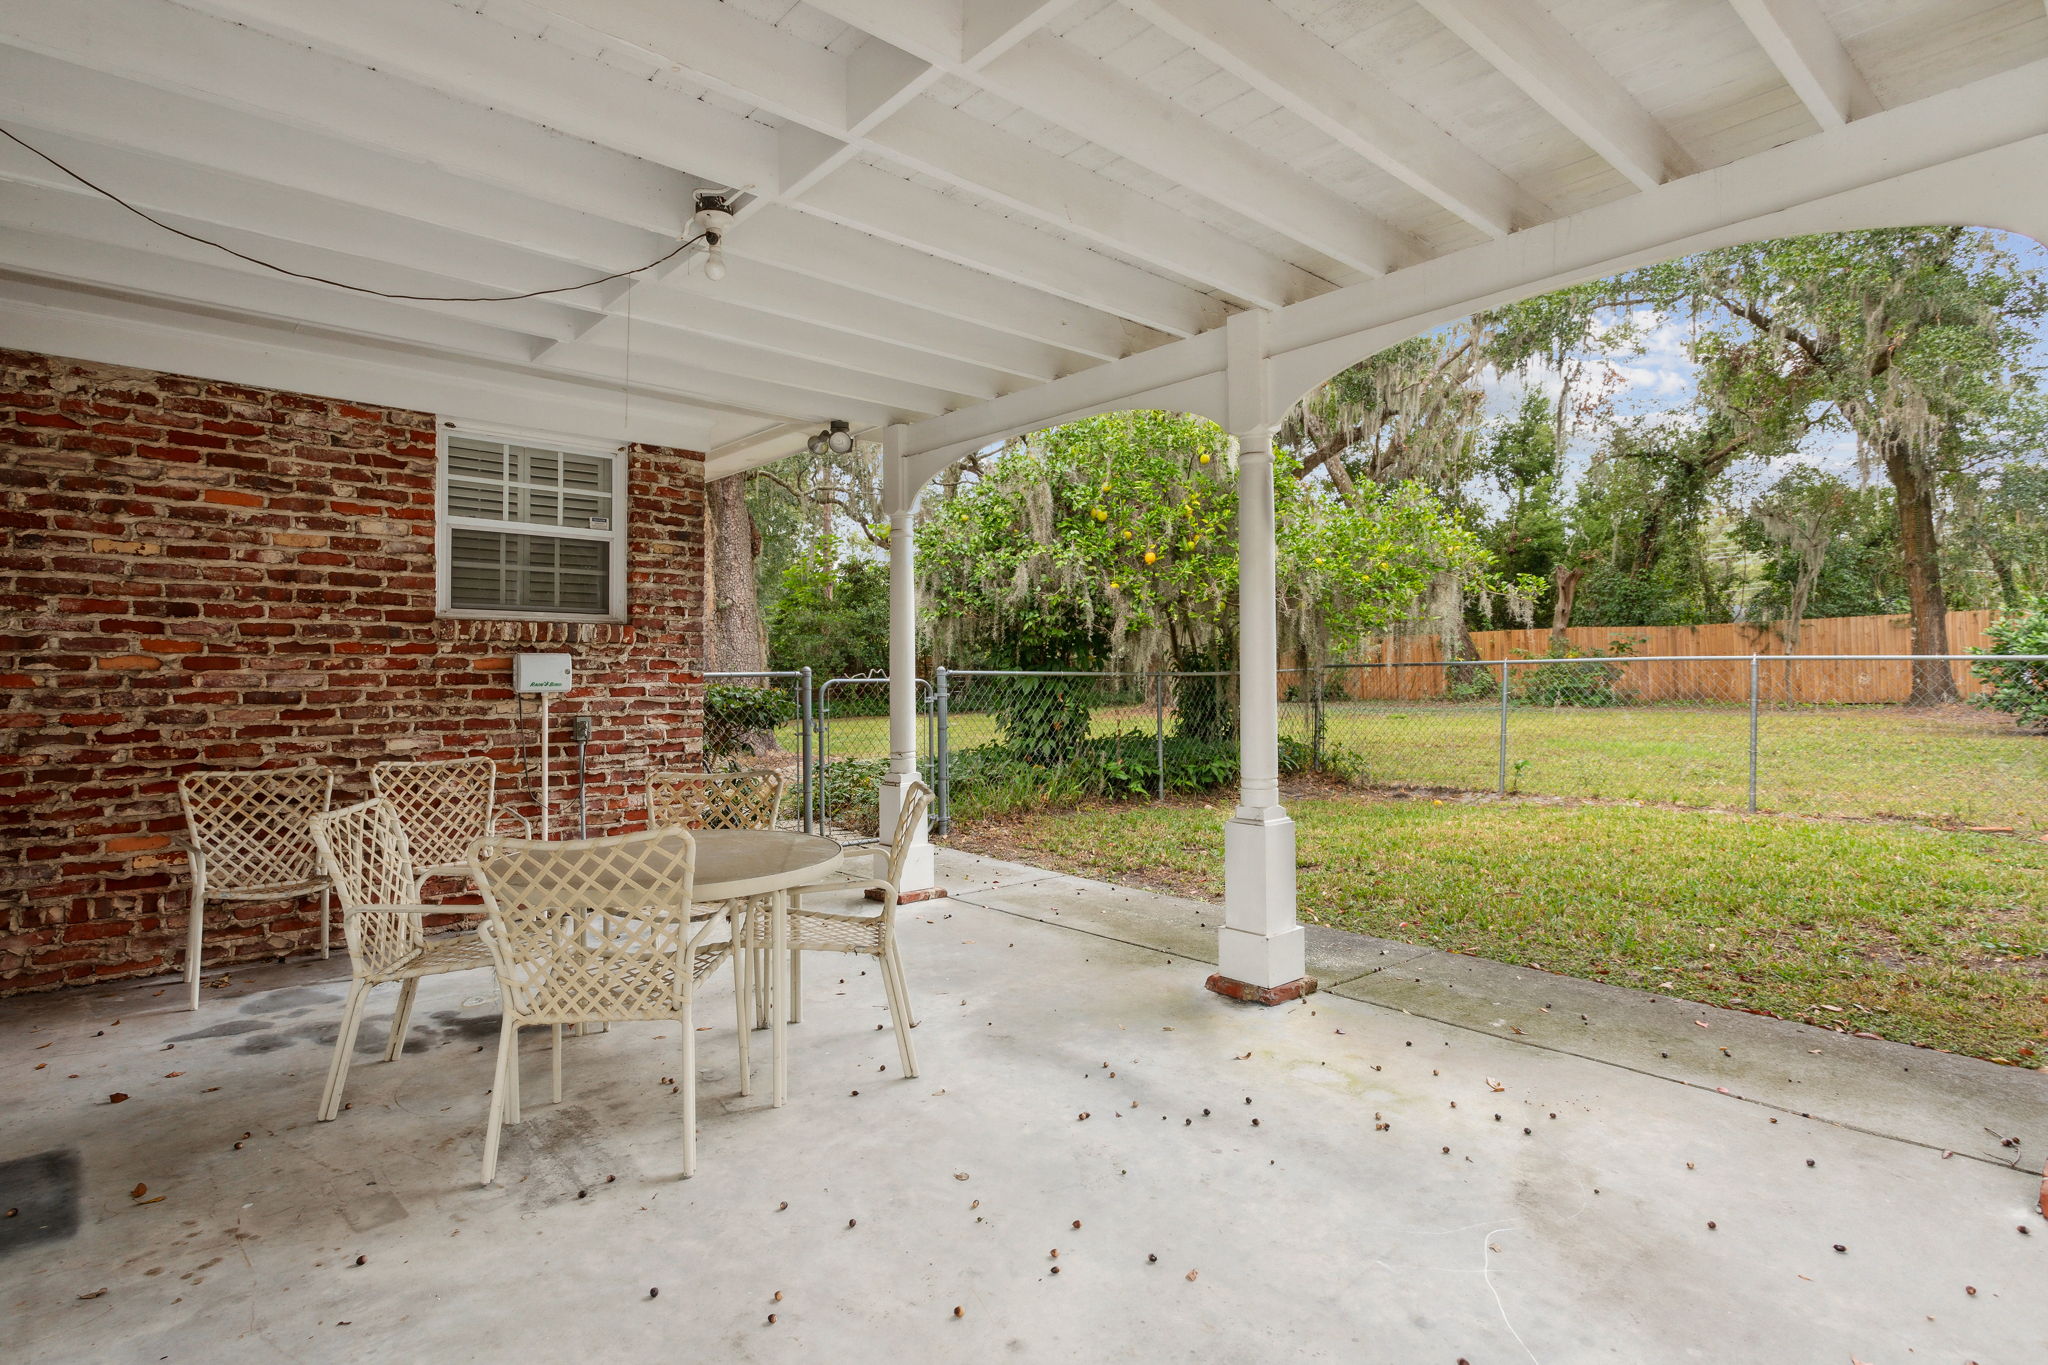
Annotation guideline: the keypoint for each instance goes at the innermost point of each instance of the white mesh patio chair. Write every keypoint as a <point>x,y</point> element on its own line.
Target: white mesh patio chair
<point>445,805</point>
<point>870,934</point>
<point>364,851</point>
<point>748,798</point>
<point>597,929</point>
<point>247,840</point>
<point>745,798</point>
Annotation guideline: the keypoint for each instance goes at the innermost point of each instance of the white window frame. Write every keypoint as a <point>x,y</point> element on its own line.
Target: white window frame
<point>445,524</point>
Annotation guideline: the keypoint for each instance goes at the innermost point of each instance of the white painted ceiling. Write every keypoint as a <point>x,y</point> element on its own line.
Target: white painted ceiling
<point>951,200</point>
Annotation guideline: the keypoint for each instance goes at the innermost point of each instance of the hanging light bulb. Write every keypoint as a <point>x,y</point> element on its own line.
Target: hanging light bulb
<point>711,222</point>
<point>839,436</point>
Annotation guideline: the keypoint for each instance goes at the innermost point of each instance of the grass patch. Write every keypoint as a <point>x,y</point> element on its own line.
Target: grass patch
<point>1917,935</point>
<point>1952,766</point>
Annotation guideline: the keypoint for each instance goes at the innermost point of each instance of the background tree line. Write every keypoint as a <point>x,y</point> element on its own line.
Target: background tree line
<point>1498,471</point>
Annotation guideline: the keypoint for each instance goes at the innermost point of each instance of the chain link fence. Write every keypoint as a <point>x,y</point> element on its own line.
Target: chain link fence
<point>765,720</point>
<point>1828,735</point>
<point>853,752</point>
<point>1013,739</point>
<point>1824,735</point>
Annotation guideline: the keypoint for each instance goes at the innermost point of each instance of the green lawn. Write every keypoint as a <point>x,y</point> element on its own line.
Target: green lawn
<point>1961,765</point>
<point>1956,766</point>
<point>1914,934</point>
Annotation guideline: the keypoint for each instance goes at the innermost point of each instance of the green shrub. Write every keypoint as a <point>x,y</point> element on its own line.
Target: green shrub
<point>1591,683</point>
<point>850,793</point>
<point>742,720</point>
<point>1043,719</point>
<point>1205,707</point>
<point>2018,688</point>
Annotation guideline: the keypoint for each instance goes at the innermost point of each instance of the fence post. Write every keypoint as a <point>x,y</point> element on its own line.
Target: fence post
<point>1317,719</point>
<point>1159,733</point>
<point>942,756</point>
<point>1752,732</point>
<point>805,765</point>
<point>1503,725</point>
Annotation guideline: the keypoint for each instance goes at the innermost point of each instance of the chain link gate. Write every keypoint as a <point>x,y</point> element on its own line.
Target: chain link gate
<point>772,728</point>
<point>853,752</point>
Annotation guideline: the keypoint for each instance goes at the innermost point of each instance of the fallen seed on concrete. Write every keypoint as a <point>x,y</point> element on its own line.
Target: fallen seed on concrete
<point>654,1293</point>
<point>958,1311</point>
<point>1970,1289</point>
<point>1840,1247</point>
<point>1151,1258</point>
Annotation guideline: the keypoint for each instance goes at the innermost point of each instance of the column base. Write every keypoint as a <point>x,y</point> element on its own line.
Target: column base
<point>1261,995</point>
<point>930,893</point>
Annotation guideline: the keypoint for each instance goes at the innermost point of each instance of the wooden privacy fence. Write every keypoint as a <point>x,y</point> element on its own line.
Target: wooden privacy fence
<point>1674,663</point>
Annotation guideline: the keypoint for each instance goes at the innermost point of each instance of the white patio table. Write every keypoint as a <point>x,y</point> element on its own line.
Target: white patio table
<point>736,863</point>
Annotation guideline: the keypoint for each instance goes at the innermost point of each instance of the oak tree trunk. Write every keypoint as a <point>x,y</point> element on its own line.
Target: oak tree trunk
<point>735,638</point>
<point>1934,682</point>
<point>1566,581</point>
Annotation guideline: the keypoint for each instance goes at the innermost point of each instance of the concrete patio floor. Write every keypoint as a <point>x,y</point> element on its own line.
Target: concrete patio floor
<point>1435,1159</point>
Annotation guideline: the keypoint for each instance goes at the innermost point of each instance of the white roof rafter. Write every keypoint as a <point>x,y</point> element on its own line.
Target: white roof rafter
<point>956,210</point>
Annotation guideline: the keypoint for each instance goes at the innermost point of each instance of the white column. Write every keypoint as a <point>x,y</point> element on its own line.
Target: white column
<point>919,874</point>
<point>1261,947</point>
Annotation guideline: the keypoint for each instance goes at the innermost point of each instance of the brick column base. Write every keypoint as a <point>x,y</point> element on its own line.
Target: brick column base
<point>1261,995</point>
<point>930,893</point>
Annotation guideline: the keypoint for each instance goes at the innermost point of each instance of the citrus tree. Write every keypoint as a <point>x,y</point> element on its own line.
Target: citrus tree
<point>1112,541</point>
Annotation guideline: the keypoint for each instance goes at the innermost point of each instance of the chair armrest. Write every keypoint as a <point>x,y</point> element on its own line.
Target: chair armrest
<point>851,884</point>
<point>525,825</point>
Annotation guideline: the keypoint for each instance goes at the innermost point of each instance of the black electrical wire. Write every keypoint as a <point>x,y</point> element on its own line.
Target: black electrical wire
<point>343,284</point>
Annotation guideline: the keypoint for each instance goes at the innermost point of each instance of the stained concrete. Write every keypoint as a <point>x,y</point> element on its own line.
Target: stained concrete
<point>1314,1233</point>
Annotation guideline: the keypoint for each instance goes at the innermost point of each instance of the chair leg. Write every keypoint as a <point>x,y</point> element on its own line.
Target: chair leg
<point>557,1051</point>
<point>194,926</point>
<point>402,1019</point>
<point>344,1048</point>
<point>741,1006</point>
<point>796,986</point>
<point>494,1124</point>
<point>513,1095</point>
<point>899,1005</point>
<point>689,1079</point>
<point>326,919</point>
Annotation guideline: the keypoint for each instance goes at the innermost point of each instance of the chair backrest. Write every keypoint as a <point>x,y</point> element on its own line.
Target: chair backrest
<point>445,804</point>
<point>363,849</point>
<point>910,817</point>
<point>582,928</point>
<point>250,824</point>
<point>750,798</point>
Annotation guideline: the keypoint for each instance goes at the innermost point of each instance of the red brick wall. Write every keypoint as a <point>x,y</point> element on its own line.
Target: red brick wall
<point>205,575</point>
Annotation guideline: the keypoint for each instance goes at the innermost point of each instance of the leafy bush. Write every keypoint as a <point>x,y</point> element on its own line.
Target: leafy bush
<point>1205,707</point>
<point>742,720</point>
<point>2018,688</point>
<point>1472,682</point>
<point>993,778</point>
<point>850,793</point>
<point>1044,720</point>
<point>1591,683</point>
